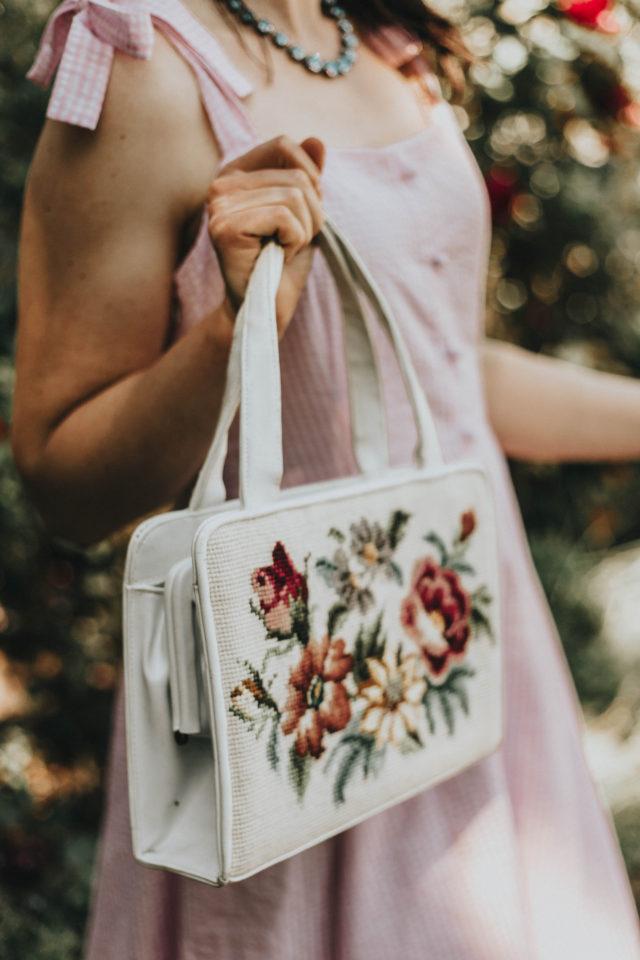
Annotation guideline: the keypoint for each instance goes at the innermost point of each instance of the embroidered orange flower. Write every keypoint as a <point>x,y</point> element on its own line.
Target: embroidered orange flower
<point>277,587</point>
<point>436,615</point>
<point>318,701</point>
<point>467,525</point>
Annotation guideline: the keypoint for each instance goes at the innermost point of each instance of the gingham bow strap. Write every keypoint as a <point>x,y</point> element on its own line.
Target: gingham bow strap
<point>79,42</point>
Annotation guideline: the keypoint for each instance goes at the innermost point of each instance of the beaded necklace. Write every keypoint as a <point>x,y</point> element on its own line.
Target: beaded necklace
<point>312,62</point>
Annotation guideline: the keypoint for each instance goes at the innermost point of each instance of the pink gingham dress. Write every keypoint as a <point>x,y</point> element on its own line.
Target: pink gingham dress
<point>514,859</point>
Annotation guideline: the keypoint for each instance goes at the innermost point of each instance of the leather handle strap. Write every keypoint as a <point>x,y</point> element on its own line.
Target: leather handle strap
<point>253,379</point>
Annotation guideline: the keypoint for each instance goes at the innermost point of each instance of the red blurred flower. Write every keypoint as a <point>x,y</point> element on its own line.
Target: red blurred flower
<point>594,14</point>
<point>502,187</point>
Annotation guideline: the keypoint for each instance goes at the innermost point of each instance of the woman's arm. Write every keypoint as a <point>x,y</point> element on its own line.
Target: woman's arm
<point>108,423</point>
<point>546,409</point>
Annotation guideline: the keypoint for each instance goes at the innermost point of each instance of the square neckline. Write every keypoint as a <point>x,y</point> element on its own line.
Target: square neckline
<point>441,106</point>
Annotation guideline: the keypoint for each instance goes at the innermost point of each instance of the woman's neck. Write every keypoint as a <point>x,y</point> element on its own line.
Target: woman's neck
<point>302,19</point>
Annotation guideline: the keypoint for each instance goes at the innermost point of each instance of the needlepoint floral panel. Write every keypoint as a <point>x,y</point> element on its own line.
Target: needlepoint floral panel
<point>360,655</point>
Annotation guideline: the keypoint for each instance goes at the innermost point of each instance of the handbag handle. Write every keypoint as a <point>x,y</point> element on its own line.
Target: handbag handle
<point>253,379</point>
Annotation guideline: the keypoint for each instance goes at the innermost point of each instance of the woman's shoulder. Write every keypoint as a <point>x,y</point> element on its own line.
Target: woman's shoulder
<point>150,136</point>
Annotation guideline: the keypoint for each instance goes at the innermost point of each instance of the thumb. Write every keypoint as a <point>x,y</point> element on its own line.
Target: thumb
<point>316,150</point>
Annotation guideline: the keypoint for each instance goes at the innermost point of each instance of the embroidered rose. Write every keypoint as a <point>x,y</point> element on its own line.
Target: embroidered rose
<point>436,615</point>
<point>277,587</point>
<point>393,694</point>
<point>318,701</point>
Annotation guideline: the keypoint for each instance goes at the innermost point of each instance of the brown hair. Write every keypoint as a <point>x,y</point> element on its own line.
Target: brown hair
<point>443,47</point>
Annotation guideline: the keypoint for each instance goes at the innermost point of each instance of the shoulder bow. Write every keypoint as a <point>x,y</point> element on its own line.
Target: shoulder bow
<point>78,42</point>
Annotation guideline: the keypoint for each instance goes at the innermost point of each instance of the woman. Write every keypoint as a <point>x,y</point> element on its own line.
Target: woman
<point>128,296</point>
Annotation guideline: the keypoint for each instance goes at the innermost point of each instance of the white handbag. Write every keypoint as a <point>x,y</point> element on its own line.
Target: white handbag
<point>298,660</point>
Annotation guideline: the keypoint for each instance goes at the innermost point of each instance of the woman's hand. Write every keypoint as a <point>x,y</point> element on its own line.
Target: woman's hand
<point>274,189</point>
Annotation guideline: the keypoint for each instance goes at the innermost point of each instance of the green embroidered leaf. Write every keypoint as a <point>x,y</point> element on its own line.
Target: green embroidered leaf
<point>480,623</point>
<point>396,573</point>
<point>411,743</point>
<point>426,702</point>
<point>375,761</point>
<point>299,772</point>
<point>376,642</point>
<point>461,566</point>
<point>359,748</point>
<point>337,534</point>
<point>452,687</point>
<point>396,527</point>
<point>299,611</point>
<point>273,743</point>
<point>455,683</point>
<point>327,571</point>
<point>439,544</point>
<point>367,644</point>
<point>360,669</point>
<point>447,710</point>
<point>336,616</point>
<point>255,609</point>
<point>482,596</point>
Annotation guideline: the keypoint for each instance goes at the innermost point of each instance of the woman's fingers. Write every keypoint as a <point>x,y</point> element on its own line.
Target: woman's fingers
<point>280,153</point>
<point>302,200</point>
<point>229,227</point>
<point>273,189</point>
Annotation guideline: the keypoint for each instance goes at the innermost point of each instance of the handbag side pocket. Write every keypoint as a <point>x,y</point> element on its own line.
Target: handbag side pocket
<point>188,706</point>
<point>171,784</point>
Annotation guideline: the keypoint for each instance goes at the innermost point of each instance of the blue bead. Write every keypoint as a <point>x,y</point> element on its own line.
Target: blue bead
<point>247,17</point>
<point>330,69</point>
<point>350,40</point>
<point>235,5</point>
<point>296,53</point>
<point>314,63</point>
<point>280,39</point>
<point>345,26</point>
<point>263,26</point>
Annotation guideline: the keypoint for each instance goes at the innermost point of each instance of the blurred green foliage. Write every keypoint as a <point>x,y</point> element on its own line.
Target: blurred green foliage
<point>550,114</point>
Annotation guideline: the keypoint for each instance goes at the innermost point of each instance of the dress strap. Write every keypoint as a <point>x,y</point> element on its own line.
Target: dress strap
<point>78,47</point>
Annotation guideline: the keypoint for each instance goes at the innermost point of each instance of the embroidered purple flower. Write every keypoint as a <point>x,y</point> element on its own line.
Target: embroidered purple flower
<point>436,615</point>
<point>351,579</point>
<point>372,545</point>
<point>277,587</point>
<point>318,701</point>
